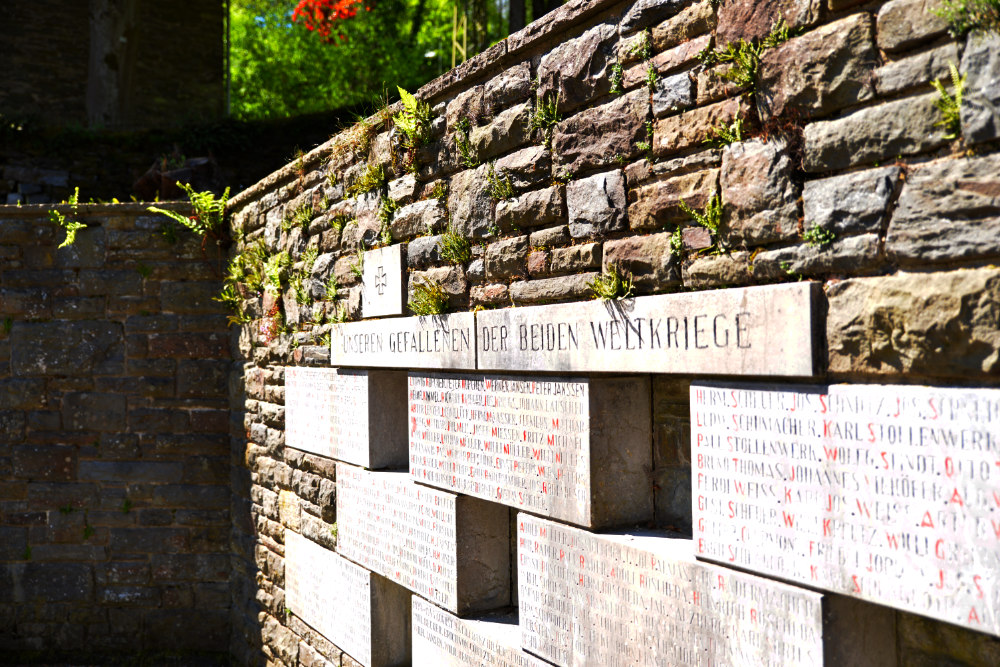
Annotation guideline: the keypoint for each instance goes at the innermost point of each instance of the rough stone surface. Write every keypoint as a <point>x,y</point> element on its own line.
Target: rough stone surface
<point>852,203</point>
<point>602,136</point>
<point>759,194</point>
<point>469,203</point>
<point>451,279</point>
<point>693,21</point>
<point>915,70</point>
<point>824,70</point>
<point>981,106</point>
<point>422,217</point>
<point>423,251</point>
<point>656,204</point>
<point>673,93</point>
<point>577,70</point>
<point>749,19</point>
<point>646,12</point>
<point>582,257</point>
<point>902,127</point>
<point>509,87</point>
<point>948,211</point>
<point>468,104</point>
<point>853,254</point>
<point>903,23</point>
<point>647,258</point>
<point>533,209</point>
<point>527,167</point>
<point>551,289</point>
<point>678,133</point>
<point>547,238</point>
<point>509,130</point>
<point>506,258</point>
<point>936,325</point>
<point>596,204</point>
<point>718,270</point>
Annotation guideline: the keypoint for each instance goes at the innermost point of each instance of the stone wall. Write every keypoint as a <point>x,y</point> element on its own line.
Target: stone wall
<point>842,176</point>
<point>114,476</point>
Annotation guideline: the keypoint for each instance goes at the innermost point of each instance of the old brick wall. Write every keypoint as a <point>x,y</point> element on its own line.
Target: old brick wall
<point>114,477</point>
<point>843,175</point>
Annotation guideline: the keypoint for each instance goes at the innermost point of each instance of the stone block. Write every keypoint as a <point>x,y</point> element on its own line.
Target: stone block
<point>672,94</point>
<point>656,204</point>
<point>753,19</point>
<point>900,127</point>
<point>353,416</point>
<point>905,23</point>
<point>191,496</point>
<point>12,426</point>
<point>718,270</point>
<point>602,136</point>
<point>440,341</point>
<point>824,70</point>
<point>47,583</point>
<point>509,130</point>
<point>89,251</point>
<point>506,258</point>
<point>759,194</point>
<point>578,70</point>
<point>931,324</point>
<point>468,104</point>
<point>596,204</point>
<point>692,21</point>
<point>648,259</point>
<point>690,129</point>
<point>469,203</point>
<point>454,550</point>
<point>422,217</point>
<point>89,411</point>
<point>511,86</point>
<point>528,167</point>
<point>189,297</point>
<point>451,279</point>
<point>78,348</point>
<point>131,472</point>
<point>382,282</point>
<point>850,255</point>
<point>489,295</point>
<point>194,629</point>
<point>557,467</point>
<point>681,56</point>
<point>424,251</point>
<point>916,70</point>
<point>851,203</point>
<point>532,209</point>
<point>981,106</point>
<point>573,259</point>
<point>645,13</point>
<point>949,210</point>
<point>48,463</point>
<point>551,289</point>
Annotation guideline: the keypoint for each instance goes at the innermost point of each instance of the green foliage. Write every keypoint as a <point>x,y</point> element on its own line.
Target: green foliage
<point>611,284</point>
<point>818,236</point>
<point>465,149</point>
<point>428,298</point>
<point>374,177</point>
<point>414,121</point>
<point>647,145</point>
<point>386,211</point>
<point>643,50</point>
<point>126,506</point>
<point>651,78</point>
<point>143,270</point>
<point>332,288</point>
<point>498,185</point>
<point>8,324</point>
<point>70,226</point>
<point>723,135</point>
<point>358,266</point>
<point>276,271</point>
<point>964,16</point>
<point>300,217</point>
<point>207,216</point>
<point>546,117</point>
<point>440,191</point>
<point>338,222</point>
<point>950,104</point>
<point>617,78</point>
<point>454,247</point>
<point>744,57</point>
<point>710,218</point>
<point>677,242</point>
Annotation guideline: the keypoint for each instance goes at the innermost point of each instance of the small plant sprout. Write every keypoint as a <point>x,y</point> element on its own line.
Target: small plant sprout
<point>338,222</point>
<point>818,236</point>
<point>677,242</point>
<point>647,146</point>
<point>964,16</point>
<point>498,185</point>
<point>428,298</point>
<point>464,144</point>
<point>651,78</point>
<point>374,177</point>
<point>70,226</point>
<point>744,57</point>
<point>8,324</point>
<point>710,218</point>
<point>613,283</point>
<point>454,247</point>
<point>414,121</point>
<point>126,506</point>
<point>332,288</point>
<point>546,117</point>
<point>207,216</point>
<point>358,266</point>
<point>300,217</point>
<point>386,212</point>
<point>950,104</point>
<point>617,78</point>
<point>276,271</point>
<point>723,135</point>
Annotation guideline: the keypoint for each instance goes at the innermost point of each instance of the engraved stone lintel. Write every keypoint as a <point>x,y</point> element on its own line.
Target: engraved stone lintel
<point>540,444</point>
<point>589,599</point>
<point>382,282</point>
<point>767,330</point>
<point>363,614</point>
<point>349,415</point>
<point>433,341</point>
<point>444,640</point>
<point>883,493</point>
<point>453,550</point>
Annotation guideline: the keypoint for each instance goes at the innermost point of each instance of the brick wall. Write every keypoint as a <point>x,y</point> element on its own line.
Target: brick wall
<point>114,478</point>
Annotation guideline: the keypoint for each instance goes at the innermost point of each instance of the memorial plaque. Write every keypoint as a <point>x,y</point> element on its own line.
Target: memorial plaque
<point>886,493</point>
<point>616,600</point>
<point>453,550</point>
<point>433,341</point>
<point>747,331</point>
<point>444,640</point>
<point>353,416</point>
<point>361,613</point>
<point>382,290</point>
<point>541,444</point>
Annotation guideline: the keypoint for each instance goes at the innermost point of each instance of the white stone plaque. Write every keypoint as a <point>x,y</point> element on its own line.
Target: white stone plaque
<point>347,415</point>
<point>886,493</point>
<point>616,600</point>
<point>382,282</point>
<point>746,331</point>
<point>445,640</point>
<point>411,533</point>
<point>331,594</point>
<point>433,341</point>
<point>536,443</point>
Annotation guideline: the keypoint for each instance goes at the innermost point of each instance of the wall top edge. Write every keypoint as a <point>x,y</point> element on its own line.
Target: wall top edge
<point>11,211</point>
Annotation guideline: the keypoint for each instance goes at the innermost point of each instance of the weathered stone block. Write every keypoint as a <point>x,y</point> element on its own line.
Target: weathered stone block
<point>506,258</point>
<point>854,254</point>
<point>673,93</point>
<point>527,167</point>
<point>932,324</point>
<point>551,289</point>
<point>423,251</point>
<point>822,71</point>
<point>467,104</point>
<point>687,130</point>
<point>948,210</point>
<point>418,218</point>
<point>94,412</point>
<point>759,194</point>
<point>981,106</point>
<point>509,87</point>
<point>551,237</point>
<point>49,463</point>
<point>70,348</point>
<point>693,21</point>
<point>904,23</point>
<point>488,295</point>
<point>87,252</point>
<point>852,203</point>
<point>915,70</point>
<point>469,203</point>
<point>574,258</point>
<point>451,279</point>
<point>577,70</point>
<point>680,56</point>
<point>646,12</point>
<point>750,19</point>
<point>647,258</point>
<point>596,205</point>
<point>656,204</point>
<point>901,127</point>
<point>602,136</point>
<point>718,270</point>
<point>509,130</point>
<point>46,583</point>
<point>533,209</point>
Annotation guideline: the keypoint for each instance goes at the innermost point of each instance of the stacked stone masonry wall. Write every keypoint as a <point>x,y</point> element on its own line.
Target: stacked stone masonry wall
<point>843,177</point>
<point>114,420</point>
